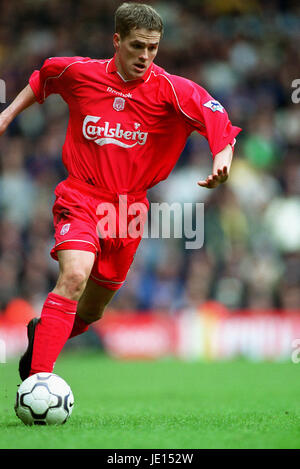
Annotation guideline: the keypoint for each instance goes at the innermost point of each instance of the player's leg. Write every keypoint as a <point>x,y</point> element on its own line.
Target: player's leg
<point>108,275</point>
<point>93,302</point>
<point>74,270</point>
<point>49,334</point>
<point>91,306</point>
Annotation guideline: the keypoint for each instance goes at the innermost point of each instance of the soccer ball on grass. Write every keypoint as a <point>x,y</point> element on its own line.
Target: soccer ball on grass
<point>44,399</point>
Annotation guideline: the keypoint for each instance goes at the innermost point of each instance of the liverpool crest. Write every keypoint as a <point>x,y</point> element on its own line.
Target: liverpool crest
<point>119,104</point>
<point>65,229</point>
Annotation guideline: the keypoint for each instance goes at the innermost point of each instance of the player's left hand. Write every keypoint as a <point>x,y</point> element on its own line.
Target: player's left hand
<point>213,180</point>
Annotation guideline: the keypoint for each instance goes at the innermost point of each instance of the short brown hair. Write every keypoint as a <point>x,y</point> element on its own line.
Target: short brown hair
<point>130,16</point>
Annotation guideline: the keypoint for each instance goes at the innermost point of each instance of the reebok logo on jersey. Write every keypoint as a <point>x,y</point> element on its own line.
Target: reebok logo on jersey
<point>108,133</point>
<point>119,93</point>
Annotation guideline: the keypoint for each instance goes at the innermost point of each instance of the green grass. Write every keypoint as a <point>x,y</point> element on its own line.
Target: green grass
<point>165,404</point>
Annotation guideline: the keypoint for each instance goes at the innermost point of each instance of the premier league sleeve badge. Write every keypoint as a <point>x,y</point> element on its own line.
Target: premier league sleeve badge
<point>214,105</point>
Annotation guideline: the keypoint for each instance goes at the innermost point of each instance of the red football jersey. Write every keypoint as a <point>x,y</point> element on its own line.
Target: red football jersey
<point>126,136</point>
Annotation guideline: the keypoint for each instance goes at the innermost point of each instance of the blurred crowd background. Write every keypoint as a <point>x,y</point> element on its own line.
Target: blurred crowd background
<point>246,54</point>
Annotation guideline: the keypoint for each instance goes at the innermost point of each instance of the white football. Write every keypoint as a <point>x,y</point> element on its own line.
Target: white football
<point>44,399</point>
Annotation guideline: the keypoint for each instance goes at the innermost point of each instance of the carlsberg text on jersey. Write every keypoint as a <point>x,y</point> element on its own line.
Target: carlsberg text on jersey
<point>110,134</point>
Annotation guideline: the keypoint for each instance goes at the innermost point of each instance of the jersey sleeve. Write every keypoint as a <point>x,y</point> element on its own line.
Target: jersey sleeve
<point>52,77</point>
<point>203,113</point>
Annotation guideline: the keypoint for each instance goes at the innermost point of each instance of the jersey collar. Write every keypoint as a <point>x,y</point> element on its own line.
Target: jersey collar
<point>112,68</point>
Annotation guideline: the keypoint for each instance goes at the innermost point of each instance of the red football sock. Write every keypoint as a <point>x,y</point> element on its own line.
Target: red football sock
<point>79,327</point>
<point>52,332</point>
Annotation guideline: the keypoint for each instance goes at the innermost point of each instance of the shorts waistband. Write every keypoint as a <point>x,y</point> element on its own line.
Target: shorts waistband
<point>96,191</point>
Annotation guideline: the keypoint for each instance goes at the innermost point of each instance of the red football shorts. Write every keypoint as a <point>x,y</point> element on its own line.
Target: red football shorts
<point>105,223</point>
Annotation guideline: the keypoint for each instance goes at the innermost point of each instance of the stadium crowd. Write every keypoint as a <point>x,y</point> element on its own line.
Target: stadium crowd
<point>245,54</point>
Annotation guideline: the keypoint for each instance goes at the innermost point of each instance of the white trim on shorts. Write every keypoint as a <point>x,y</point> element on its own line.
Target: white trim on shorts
<point>106,281</point>
<point>77,241</point>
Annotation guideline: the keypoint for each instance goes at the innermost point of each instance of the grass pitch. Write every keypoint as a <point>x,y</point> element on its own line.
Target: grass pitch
<point>164,404</point>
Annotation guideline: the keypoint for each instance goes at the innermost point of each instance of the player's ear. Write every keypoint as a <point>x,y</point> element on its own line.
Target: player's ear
<point>116,41</point>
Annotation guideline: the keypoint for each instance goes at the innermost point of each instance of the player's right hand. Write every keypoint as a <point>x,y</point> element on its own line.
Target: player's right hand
<point>214,180</point>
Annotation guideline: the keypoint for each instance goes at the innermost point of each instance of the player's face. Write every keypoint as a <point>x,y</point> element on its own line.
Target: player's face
<point>135,52</point>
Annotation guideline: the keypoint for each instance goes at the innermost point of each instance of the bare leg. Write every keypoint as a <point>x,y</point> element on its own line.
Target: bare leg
<point>74,270</point>
<point>93,302</point>
<point>59,311</point>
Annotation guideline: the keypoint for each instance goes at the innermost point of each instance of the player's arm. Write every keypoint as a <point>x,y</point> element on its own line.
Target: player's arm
<point>49,79</point>
<point>203,113</point>
<point>24,99</point>
<point>220,170</point>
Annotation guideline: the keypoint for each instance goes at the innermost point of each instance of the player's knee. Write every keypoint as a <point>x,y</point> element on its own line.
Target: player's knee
<point>72,283</point>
